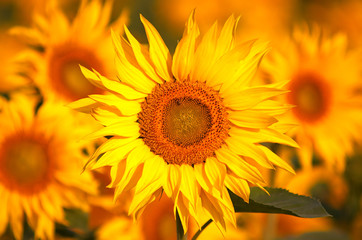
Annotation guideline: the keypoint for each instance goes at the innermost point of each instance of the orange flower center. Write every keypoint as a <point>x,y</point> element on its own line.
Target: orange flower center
<point>310,95</point>
<point>24,164</point>
<point>184,122</point>
<point>64,71</point>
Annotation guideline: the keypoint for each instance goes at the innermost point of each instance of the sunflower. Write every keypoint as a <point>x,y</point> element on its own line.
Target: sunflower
<point>39,167</point>
<point>65,45</point>
<point>10,80</point>
<point>260,18</point>
<point>325,87</point>
<point>189,126</point>
<point>157,222</point>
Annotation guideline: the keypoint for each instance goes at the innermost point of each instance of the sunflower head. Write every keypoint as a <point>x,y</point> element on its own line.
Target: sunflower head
<point>188,125</point>
<point>325,88</point>
<point>40,164</point>
<point>65,44</point>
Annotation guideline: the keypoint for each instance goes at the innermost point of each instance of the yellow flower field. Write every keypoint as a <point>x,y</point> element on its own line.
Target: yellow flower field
<point>166,119</point>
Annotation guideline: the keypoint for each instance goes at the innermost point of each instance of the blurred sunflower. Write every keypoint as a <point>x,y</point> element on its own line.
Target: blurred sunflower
<point>10,80</point>
<point>119,228</point>
<point>39,167</point>
<point>260,18</point>
<point>325,87</point>
<point>157,222</point>
<point>340,16</point>
<point>188,125</point>
<point>65,45</point>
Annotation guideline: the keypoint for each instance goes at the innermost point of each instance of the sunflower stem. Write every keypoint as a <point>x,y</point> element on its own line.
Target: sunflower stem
<point>201,229</point>
<point>180,230</point>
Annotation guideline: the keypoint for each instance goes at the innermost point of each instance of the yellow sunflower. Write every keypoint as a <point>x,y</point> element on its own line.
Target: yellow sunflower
<point>10,80</point>
<point>40,164</point>
<point>325,87</point>
<point>65,45</point>
<point>189,126</point>
<point>261,18</point>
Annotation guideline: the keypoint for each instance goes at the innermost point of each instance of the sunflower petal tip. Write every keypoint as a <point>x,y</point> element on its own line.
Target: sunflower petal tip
<point>262,188</point>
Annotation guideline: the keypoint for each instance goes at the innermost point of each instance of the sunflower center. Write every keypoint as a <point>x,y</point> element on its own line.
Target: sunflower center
<point>187,121</point>
<point>310,95</point>
<point>24,164</point>
<point>184,122</point>
<point>65,74</point>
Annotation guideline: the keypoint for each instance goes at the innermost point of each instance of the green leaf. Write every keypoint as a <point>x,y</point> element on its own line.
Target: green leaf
<point>280,201</point>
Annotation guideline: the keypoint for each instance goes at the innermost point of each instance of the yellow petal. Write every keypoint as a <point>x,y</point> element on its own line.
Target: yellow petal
<point>188,187</point>
<point>159,53</point>
<point>173,181</point>
<point>122,89</point>
<point>273,108</point>
<point>108,116</point>
<point>84,105</point>
<point>45,227</point>
<point>134,159</point>
<point>112,158</point>
<point>116,174</point>
<point>242,148</point>
<point>183,59</point>
<point>248,98</point>
<point>204,55</point>
<point>183,211</point>
<point>126,107</point>
<point>263,136</point>
<point>238,186</point>
<point>140,207</point>
<point>190,24</point>
<point>201,178</point>
<point>141,58</point>
<point>121,128</point>
<point>153,172</point>
<point>276,160</point>
<point>227,36</point>
<point>91,76</point>
<point>3,213</point>
<point>16,216</point>
<point>215,172</point>
<point>110,145</point>
<point>223,70</point>
<point>212,206</point>
<point>239,166</point>
<point>245,73</point>
<point>128,73</point>
<point>251,119</point>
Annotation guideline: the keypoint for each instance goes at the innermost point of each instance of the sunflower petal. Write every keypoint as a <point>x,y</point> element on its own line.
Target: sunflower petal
<point>159,53</point>
<point>248,98</point>
<point>124,106</point>
<point>173,181</point>
<point>141,58</point>
<point>241,168</point>
<point>183,58</point>
<point>251,119</point>
<point>276,160</point>
<point>238,186</point>
<point>188,184</point>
